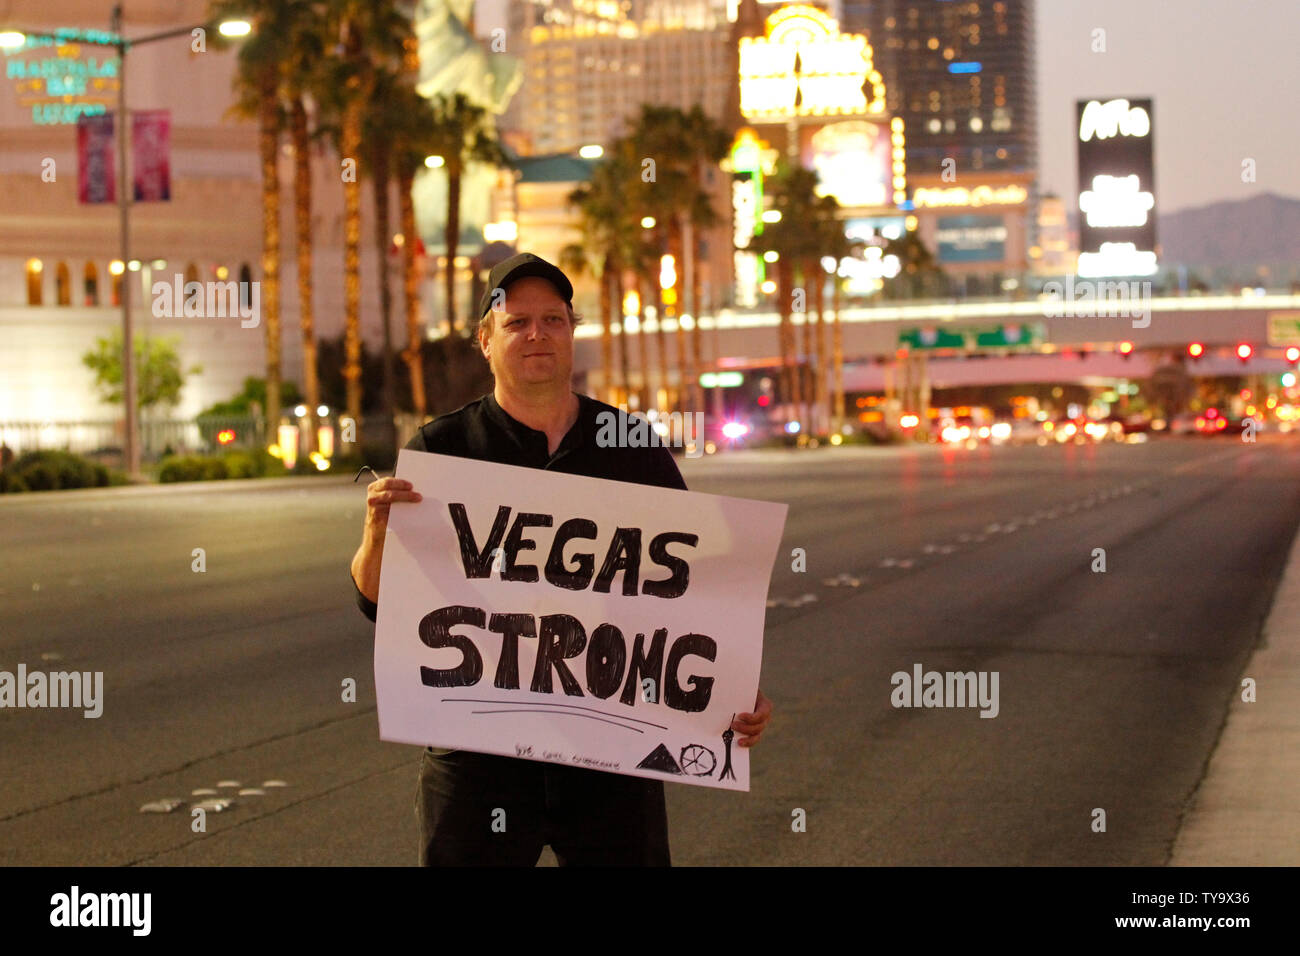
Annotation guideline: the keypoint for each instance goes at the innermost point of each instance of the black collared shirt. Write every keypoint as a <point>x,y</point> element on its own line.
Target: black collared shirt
<point>484,431</point>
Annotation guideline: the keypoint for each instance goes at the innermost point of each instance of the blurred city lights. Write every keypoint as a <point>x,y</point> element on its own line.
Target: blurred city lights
<point>734,430</point>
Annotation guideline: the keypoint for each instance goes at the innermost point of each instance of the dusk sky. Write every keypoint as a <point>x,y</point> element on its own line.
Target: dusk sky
<point>1223,73</point>
<point>1224,76</point>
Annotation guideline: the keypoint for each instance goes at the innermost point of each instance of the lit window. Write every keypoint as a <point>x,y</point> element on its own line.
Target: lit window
<point>35,272</point>
<point>62,284</point>
<point>90,285</point>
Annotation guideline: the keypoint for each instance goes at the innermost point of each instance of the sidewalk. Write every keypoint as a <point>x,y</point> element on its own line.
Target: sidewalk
<point>1246,811</point>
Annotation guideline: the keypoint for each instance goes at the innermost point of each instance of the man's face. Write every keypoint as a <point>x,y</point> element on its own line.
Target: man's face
<point>530,341</point>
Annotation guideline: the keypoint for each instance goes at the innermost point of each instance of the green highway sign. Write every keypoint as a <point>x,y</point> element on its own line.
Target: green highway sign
<point>1284,328</point>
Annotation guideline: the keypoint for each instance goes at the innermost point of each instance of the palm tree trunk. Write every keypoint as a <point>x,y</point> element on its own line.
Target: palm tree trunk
<point>615,278</point>
<point>269,143</point>
<point>675,246</point>
<point>607,331</point>
<point>383,228</point>
<point>785,288</point>
<point>606,338</point>
<point>692,287</point>
<point>643,339</point>
<point>805,370</point>
<point>302,223</point>
<point>660,339</point>
<point>837,345</point>
<point>350,143</point>
<point>452,238</point>
<point>823,411</point>
<point>410,290</point>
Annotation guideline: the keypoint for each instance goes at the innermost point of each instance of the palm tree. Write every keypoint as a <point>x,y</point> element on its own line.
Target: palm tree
<point>462,133</point>
<point>257,84</point>
<point>576,262</point>
<point>920,273</point>
<point>707,145</point>
<point>832,243</point>
<point>611,227</point>
<point>792,242</point>
<point>683,146</point>
<point>412,140</point>
<point>369,34</point>
<point>300,76</point>
<point>382,117</point>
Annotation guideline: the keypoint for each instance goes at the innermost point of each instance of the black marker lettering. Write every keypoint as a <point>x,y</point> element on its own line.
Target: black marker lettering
<point>435,631</point>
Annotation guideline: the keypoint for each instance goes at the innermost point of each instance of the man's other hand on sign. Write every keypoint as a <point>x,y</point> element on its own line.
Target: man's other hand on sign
<point>751,726</point>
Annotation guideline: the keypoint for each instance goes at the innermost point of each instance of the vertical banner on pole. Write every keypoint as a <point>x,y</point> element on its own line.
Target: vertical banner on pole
<point>96,179</point>
<point>151,155</point>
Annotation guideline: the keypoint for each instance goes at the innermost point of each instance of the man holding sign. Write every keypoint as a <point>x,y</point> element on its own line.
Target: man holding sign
<point>579,641</point>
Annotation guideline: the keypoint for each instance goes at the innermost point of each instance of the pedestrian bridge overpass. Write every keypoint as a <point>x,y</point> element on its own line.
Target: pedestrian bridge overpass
<point>1053,347</point>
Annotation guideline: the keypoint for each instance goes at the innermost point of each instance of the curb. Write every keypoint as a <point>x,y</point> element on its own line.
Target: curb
<point>1246,811</point>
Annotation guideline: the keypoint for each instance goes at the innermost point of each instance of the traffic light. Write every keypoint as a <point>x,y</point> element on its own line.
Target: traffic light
<point>1196,350</point>
<point>1293,355</point>
<point>1244,352</point>
<point>1126,349</point>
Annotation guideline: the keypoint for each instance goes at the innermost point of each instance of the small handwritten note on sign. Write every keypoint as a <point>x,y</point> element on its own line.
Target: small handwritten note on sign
<point>594,623</point>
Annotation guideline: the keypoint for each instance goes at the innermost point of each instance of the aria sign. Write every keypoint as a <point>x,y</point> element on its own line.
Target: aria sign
<point>804,66</point>
<point>1117,233</point>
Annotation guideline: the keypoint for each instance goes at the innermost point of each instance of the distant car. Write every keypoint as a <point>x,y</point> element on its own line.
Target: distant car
<point>1214,422</point>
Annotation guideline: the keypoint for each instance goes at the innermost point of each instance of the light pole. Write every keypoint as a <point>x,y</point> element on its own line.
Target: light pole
<point>116,39</point>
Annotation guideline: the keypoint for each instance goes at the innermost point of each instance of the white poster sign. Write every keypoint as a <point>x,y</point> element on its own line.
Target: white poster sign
<point>594,623</point>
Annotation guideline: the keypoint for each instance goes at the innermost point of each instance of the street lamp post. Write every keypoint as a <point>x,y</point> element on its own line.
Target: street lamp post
<point>131,441</point>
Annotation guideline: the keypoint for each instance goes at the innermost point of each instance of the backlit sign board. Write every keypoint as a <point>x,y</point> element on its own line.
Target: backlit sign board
<point>804,66</point>
<point>971,238</point>
<point>1117,224</point>
<point>58,80</point>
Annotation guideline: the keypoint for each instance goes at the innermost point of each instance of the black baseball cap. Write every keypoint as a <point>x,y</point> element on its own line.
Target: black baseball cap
<point>518,267</point>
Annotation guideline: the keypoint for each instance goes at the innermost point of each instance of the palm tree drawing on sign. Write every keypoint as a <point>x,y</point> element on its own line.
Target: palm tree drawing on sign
<point>727,736</point>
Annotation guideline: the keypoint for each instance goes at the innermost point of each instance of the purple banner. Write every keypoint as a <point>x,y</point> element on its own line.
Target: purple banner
<point>96,178</point>
<point>151,155</point>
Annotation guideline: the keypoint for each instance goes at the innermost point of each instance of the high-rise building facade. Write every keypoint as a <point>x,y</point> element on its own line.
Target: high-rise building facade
<point>961,74</point>
<point>590,64</point>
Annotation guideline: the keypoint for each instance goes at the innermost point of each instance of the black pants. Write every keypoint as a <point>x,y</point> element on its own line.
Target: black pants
<point>483,810</point>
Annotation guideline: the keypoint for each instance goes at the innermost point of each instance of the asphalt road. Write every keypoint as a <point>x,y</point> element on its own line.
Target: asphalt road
<point>1112,686</point>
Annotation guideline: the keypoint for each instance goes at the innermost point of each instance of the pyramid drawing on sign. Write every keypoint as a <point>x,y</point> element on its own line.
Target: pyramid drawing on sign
<point>660,759</point>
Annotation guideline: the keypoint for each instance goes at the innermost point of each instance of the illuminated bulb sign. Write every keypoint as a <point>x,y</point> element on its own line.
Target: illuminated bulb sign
<point>804,66</point>
<point>746,214</point>
<point>53,80</point>
<point>939,197</point>
<point>1117,232</point>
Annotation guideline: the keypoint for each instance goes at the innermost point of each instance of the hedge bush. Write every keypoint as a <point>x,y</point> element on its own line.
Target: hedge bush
<point>231,464</point>
<point>52,470</point>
